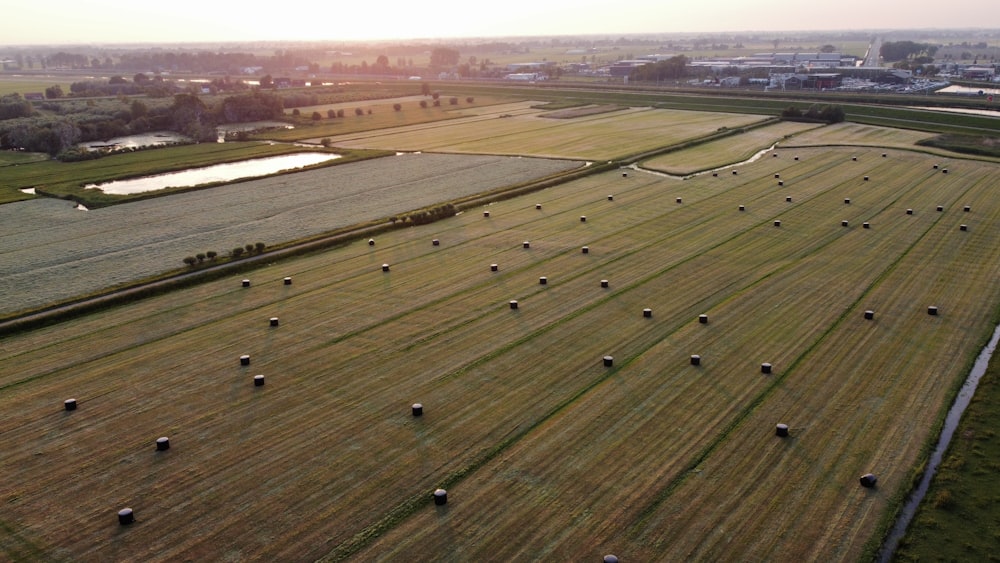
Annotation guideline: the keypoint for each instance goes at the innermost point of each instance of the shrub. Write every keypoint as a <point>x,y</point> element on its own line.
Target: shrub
<point>359,111</point>
<point>340,113</point>
<point>437,103</point>
<point>331,113</point>
<point>397,107</point>
<point>200,256</point>
<point>248,247</point>
<point>237,252</point>
<point>316,116</point>
<point>326,142</point>
<point>259,247</point>
<point>423,103</point>
<point>211,254</point>
<point>469,100</point>
<point>296,112</point>
<point>453,101</point>
<point>190,260</point>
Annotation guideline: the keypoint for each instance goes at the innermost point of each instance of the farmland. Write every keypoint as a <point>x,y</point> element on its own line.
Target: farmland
<point>545,452</point>
<point>60,252</point>
<point>603,136</point>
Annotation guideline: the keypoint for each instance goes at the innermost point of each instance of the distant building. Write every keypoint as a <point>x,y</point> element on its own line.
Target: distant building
<point>34,97</point>
<point>625,68</point>
<point>978,73</point>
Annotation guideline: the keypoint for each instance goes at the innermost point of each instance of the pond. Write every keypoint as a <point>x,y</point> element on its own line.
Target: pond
<point>216,173</point>
<point>151,139</point>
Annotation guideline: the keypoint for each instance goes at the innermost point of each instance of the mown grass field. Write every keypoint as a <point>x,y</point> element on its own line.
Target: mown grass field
<point>546,454</point>
<point>736,148</point>
<point>51,252</point>
<point>604,136</point>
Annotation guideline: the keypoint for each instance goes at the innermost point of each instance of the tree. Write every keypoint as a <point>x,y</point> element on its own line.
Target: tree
<point>359,111</point>
<point>266,81</point>
<point>326,141</point>
<point>423,103</point>
<point>382,62</point>
<point>54,92</point>
<point>138,109</point>
<point>211,254</point>
<point>248,247</point>
<point>397,107</point>
<point>200,256</point>
<point>316,116</point>
<point>190,260</point>
<point>259,247</point>
<point>444,56</point>
<point>331,113</point>
<point>425,89</point>
<point>140,78</point>
<point>827,48</point>
<point>237,252</point>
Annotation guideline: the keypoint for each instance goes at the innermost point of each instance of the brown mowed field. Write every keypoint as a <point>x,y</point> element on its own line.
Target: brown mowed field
<point>545,452</point>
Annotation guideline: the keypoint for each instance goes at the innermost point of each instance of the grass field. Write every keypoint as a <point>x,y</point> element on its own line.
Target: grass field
<point>50,252</point>
<point>604,136</point>
<point>736,148</point>
<point>964,489</point>
<point>546,454</point>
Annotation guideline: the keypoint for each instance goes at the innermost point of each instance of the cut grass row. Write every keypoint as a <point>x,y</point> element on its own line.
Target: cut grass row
<point>330,449</point>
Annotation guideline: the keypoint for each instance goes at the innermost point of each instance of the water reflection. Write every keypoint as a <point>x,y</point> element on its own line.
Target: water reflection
<point>215,173</point>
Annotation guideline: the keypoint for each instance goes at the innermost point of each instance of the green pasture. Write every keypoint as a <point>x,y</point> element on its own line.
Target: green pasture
<point>735,148</point>
<point>545,452</point>
<point>604,136</point>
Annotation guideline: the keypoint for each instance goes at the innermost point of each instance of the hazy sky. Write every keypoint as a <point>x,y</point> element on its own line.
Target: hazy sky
<point>92,21</point>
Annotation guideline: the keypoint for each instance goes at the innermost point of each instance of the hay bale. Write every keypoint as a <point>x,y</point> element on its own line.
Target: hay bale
<point>274,321</point>
<point>371,242</point>
<point>494,267</point>
<point>743,208</point>
<point>513,305</point>
<point>796,158</point>
<point>776,176</point>
<point>781,430</point>
<point>647,313</point>
<point>624,174</point>
<point>538,206</point>
<point>613,558</point>
<point>868,480</point>
<point>940,208</point>
<point>788,198</point>
<point>679,200</point>
<point>526,244</point>
<point>583,218</point>
<point>909,211</point>
<point>258,380</point>
<point>703,319</point>
<point>847,201</point>
<point>774,155</point>
<point>932,311</point>
<point>245,360</point>
<point>486,213</point>
<point>609,361</point>
<point>854,158</point>
<point>843,223</point>
<point>967,208</point>
<point>417,409</point>
<point>935,167</point>
<point>435,242</point>
<point>781,182</point>
<point>695,360</point>
<point>604,283</point>
<point>715,174</point>
<point>543,280</point>
<point>69,404</point>
<point>866,225</point>
<point>777,223</point>
<point>288,281</point>
<point>963,227</point>
<point>735,172</point>
<point>440,497</point>
<point>944,171</point>
<point>866,178</point>
<point>162,444</point>
<point>246,283</point>
<point>385,267</point>
<point>585,250</point>
<point>126,516</point>
<point>611,197</point>
<point>869,314</point>
<point>765,368</point>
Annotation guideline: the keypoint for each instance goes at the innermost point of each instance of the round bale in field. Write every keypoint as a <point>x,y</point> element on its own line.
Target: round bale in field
<point>543,280</point>
<point>611,197</point>
<point>679,200</point>
<point>526,244</point>
<point>417,409</point>
<point>513,304</point>
<point>538,206</point>
<point>765,368</point>
<point>585,250</point>
<point>69,404</point>
<point>288,281</point>
<point>963,227</point>
<point>869,314</point>
<point>647,313</point>
<point>866,225</point>
<point>258,380</point>
<point>435,242</point>
<point>909,211</point>
<point>486,213</point>
<point>932,311</point>
<point>604,283</point>
<point>162,444</point>
<point>703,319</point>
<point>614,558</point>
<point>126,516</point>
<point>695,360</point>
<point>246,283</point>
<point>371,242</point>
<point>868,480</point>
<point>743,208</point>
<point>847,201</point>
<point>844,223</point>
<point>440,497</point>
<point>609,361</point>
<point>777,223</point>
<point>781,430</point>
<point>583,218</point>
<point>385,267</point>
<point>274,321</point>
<point>245,360</point>
<point>494,267</point>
